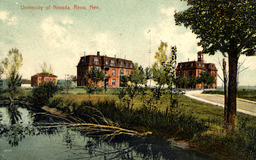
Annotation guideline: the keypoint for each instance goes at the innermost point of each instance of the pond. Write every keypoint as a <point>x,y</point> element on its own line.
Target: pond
<point>30,139</point>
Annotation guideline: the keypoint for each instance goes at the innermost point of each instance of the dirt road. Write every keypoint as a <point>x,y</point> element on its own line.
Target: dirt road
<point>243,106</point>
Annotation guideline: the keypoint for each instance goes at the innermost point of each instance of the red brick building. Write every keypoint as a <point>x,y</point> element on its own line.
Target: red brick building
<point>112,67</point>
<point>194,68</point>
<point>41,78</point>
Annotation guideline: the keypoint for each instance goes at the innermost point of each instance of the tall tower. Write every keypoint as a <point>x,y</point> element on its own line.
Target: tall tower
<point>200,56</point>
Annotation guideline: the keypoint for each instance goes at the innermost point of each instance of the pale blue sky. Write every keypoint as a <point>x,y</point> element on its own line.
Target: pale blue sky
<point>118,27</point>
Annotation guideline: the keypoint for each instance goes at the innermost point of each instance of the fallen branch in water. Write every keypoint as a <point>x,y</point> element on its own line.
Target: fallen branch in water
<point>91,129</point>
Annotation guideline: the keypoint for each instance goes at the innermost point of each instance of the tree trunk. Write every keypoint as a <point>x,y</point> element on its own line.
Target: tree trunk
<point>232,89</point>
<point>225,92</point>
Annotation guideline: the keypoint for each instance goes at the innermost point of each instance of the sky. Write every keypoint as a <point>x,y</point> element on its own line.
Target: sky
<point>126,29</point>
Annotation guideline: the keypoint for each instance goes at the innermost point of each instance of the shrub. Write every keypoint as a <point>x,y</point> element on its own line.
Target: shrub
<point>41,95</point>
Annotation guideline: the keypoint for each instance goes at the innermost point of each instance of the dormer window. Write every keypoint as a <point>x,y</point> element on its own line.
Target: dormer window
<point>121,63</point>
<point>112,63</point>
<point>106,62</point>
<point>130,65</point>
<point>82,60</point>
<point>96,60</point>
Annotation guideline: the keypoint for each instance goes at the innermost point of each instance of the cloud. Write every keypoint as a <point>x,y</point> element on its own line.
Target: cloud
<point>6,18</point>
<point>55,32</point>
<point>165,30</point>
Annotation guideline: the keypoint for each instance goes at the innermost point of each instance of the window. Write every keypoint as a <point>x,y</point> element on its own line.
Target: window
<point>130,65</point>
<point>122,71</point>
<point>113,72</point>
<point>121,63</point>
<point>95,60</point>
<point>127,72</point>
<point>106,62</point>
<point>112,63</point>
<point>113,81</point>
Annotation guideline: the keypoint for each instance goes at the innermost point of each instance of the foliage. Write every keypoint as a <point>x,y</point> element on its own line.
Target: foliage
<point>95,75</point>
<point>225,26</point>
<point>67,85</point>
<point>41,95</point>
<point>137,76</point>
<point>164,68</point>
<point>46,69</point>
<point>181,81</point>
<point>206,78</point>
<point>148,73</point>
<point>131,93</point>
<point>11,66</point>
<point>124,81</point>
<point>121,94</point>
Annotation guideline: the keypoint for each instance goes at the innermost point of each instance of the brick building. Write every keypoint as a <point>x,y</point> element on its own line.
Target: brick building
<point>41,78</point>
<point>112,67</point>
<point>194,68</point>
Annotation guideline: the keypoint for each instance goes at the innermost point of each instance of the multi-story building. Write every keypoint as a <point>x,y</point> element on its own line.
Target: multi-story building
<point>41,78</point>
<point>194,68</point>
<point>112,67</point>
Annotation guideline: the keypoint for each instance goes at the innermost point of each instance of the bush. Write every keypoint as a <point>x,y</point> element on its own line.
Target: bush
<point>41,95</point>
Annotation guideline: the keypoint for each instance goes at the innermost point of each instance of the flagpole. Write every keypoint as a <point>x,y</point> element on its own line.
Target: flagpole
<point>149,52</point>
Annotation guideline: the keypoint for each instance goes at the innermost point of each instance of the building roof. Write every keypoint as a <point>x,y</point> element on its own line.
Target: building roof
<point>105,61</point>
<point>44,75</point>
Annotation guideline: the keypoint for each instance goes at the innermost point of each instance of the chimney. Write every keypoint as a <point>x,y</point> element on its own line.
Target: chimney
<point>98,53</point>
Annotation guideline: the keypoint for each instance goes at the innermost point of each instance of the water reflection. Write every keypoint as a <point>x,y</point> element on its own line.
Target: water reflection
<point>31,138</point>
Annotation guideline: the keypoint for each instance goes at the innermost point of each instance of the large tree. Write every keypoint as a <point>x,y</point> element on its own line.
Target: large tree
<point>228,26</point>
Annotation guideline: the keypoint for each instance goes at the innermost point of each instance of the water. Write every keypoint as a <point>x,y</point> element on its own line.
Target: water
<point>27,140</point>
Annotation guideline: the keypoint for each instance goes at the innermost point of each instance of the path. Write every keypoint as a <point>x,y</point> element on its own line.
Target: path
<point>243,106</point>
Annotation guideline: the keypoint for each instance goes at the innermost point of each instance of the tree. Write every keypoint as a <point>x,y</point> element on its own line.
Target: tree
<point>182,81</point>
<point>95,76</point>
<point>11,66</point>
<point>206,78</point>
<point>148,73</point>
<point>137,76</point>
<point>192,81</point>
<point>124,80</point>
<point>164,68</point>
<point>226,26</point>
<point>46,69</point>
